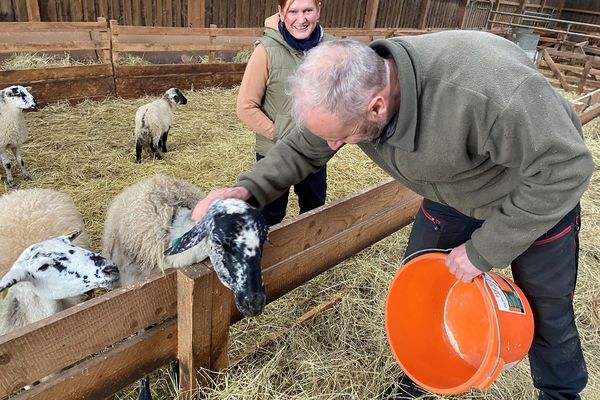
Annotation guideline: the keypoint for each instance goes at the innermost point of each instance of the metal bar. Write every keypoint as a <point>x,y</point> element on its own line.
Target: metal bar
<point>546,29</point>
<point>532,17</point>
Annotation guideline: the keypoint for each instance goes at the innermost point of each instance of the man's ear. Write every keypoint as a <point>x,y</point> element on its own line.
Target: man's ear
<point>377,108</point>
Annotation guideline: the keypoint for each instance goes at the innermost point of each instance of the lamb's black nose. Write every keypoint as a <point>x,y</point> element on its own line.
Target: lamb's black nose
<point>251,305</point>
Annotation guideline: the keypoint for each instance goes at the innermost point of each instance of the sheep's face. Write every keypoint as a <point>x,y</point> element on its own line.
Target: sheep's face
<point>175,96</point>
<point>20,97</point>
<point>236,232</point>
<point>58,269</point>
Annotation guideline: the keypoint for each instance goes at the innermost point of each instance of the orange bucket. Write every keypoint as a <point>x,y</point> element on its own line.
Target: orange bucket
<point>449,336</point>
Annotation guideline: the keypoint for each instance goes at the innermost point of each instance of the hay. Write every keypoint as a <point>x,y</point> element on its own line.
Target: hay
<point>131,59</point>
<point>87,151</point>
<point>42,60</point>
<point>242,56</point>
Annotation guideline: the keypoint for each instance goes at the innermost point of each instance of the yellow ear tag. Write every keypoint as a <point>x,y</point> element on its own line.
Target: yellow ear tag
<point>3,294</point>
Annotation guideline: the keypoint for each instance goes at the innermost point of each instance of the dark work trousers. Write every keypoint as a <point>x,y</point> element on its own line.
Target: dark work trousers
<point>311,194</point>
<point>547,273</point>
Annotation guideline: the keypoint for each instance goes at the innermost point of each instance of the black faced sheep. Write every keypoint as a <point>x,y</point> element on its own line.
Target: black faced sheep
<point>153,122</point>
<point>42,271</point>
<point>147,217</point>
<point>13,131</point>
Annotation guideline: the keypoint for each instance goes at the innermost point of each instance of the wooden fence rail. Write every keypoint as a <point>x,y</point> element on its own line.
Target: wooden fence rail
<point>192,309</point>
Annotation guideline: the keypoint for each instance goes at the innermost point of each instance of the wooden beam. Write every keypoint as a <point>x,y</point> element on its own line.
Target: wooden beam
<point>425,15</point>
<point>28,355</point>
<point>371,14</point>
<point>196,13</point>
<point>584,74</point>
<point>194,305</point>
<point>590,114</point>
<point>33,11</point>
<point>462,12</point>
<point>555,70</point>
<point>107,373</point>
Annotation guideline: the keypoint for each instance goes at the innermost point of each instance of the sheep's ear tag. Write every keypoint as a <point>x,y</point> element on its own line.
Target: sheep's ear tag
<point>185,241</point>
<point>3,293</point>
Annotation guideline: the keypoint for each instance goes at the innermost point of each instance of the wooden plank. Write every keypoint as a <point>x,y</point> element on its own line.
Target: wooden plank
<point>173,70</point>
<point>71,45</point>
<point>33,11</point>
<point>76,10</point>
<point>371,14</point>
<point>73,90</point>
<point>134,87</point>
<point>221,311</point>
<point>113,370</point>
<point>590,114</point>
<point>160,47</point>
<point>49,26</point>
<point>194,329</point>
<point>47,74</point>
<point>555,70</point>
<point>27,355</point>
<point>293,272</point>
<point>295,236</point>
<point>584,74</point>
<point>425,15</point>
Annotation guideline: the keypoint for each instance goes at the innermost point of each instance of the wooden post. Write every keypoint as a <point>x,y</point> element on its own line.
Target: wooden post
<point>212,55</point>
<point>371,14</point>
<point>203,316</point>
<point>423,20</point>
<point>462,13</point>
<point>33,11</point>
<point>584,74</point>
<point>196,13</point>
<point>194,303</point>
<point>555,70</point>
<point>559,10</point>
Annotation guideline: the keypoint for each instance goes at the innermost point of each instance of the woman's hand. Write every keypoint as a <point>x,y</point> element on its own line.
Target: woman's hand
<point>459,265</point>
<point>222,194</point>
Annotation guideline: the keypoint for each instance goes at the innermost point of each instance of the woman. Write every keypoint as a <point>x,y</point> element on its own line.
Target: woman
<point>262,103</point>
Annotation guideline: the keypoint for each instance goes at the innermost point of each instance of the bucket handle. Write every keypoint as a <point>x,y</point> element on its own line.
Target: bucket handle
<point>419,252</point>
<point>493,375</point>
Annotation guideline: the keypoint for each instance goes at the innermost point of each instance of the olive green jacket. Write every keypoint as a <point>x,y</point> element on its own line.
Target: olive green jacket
<point>276,105</point>
<point>479,129</point>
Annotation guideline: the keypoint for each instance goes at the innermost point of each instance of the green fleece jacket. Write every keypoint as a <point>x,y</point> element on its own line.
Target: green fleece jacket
<point>479,129</point>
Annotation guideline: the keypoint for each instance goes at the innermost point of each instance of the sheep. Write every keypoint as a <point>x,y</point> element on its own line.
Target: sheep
<point>150,215</point>
<point>43,270</point>
<point>13,131</point>
<point>153,122</point>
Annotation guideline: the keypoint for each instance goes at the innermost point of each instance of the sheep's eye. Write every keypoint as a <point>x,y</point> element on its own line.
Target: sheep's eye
<point>44,267</point>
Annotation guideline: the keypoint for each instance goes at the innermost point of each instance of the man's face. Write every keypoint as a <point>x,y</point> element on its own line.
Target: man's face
<point>338,132</point>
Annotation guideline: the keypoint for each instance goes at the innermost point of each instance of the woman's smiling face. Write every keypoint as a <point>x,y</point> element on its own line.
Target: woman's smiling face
<point>300,17</point>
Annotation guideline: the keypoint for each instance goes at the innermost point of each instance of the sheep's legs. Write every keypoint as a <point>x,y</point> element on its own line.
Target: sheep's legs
<point>6,164</point>
<point>163,141</point>
<point>138,151</point>
<point>154,149</point>
<point>145,393</point>
<point>17,152</point>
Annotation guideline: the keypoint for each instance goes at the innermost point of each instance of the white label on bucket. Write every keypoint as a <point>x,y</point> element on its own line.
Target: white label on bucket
<point>510,365</point>
<point>507,301</point>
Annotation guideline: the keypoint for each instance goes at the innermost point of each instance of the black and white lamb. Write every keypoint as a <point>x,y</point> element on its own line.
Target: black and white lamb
<point>43,269</point>
<point>153,122</point>
<point>13,130</point>
<point>150,215</point>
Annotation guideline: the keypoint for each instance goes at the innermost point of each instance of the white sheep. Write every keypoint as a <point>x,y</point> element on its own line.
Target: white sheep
<point>43,270</point>
<point>153,122</point>
<point>150,215</point>
<point>13,131</point>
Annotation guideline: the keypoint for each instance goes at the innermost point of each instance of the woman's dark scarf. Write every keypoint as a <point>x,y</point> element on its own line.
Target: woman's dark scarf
<point>301,45</point>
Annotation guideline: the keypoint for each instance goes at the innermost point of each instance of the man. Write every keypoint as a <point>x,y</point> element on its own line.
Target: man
<point>464,119</point>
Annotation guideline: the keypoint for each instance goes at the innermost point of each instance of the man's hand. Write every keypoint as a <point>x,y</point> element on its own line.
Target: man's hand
<point>222,194</point>
<point>459,265</point>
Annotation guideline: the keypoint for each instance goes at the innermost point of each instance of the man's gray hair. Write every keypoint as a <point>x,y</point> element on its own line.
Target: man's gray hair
<point>339,77</point>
